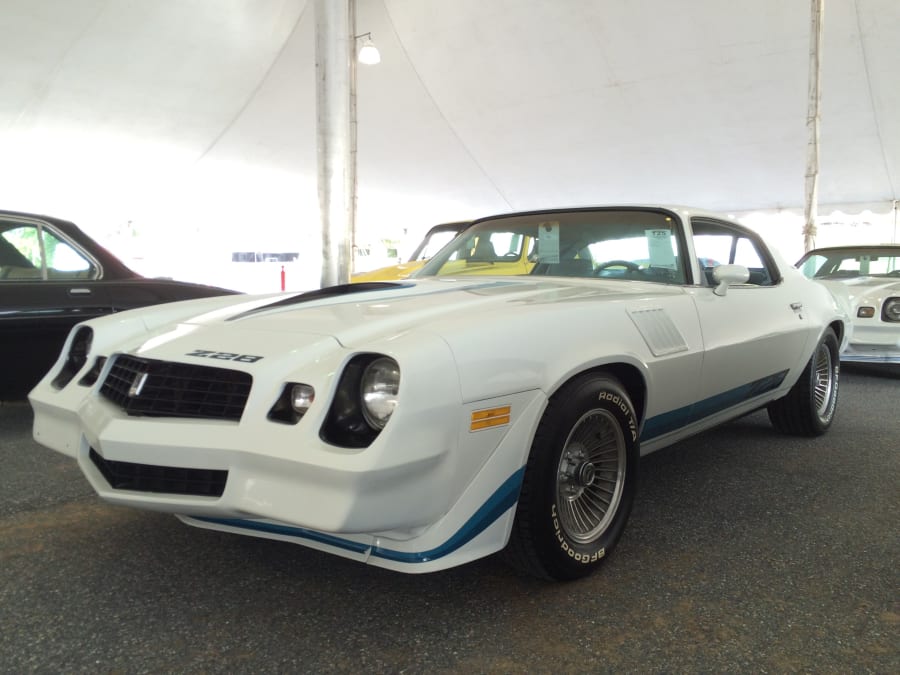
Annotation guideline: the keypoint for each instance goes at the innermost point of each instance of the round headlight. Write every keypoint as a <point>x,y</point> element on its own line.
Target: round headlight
<point>378,388</point>
<point>892,309</point>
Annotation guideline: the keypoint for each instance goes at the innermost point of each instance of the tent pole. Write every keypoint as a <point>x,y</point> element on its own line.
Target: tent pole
<point>812,124</point>
<point>335,154</point>
<point>351,169</point>
<point>894,207</point>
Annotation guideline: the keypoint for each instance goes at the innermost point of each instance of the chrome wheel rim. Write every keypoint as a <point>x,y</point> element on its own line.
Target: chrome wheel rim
<point>591,476</point>
<point>824,382</point>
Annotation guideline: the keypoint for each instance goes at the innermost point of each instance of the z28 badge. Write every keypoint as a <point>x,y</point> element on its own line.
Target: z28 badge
<point>224,356</point>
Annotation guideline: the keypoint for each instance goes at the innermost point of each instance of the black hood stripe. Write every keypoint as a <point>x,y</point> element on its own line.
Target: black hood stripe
<point>323,293</point>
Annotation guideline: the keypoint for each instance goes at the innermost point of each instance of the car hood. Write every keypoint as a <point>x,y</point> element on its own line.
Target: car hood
<point>857,289</point>
<point>356,313</point>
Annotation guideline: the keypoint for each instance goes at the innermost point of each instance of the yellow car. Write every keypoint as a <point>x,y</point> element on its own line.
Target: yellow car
<point>494,253</point>
<point>436,237</point>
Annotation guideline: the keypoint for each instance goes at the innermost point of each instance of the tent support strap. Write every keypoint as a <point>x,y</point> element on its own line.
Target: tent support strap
<point>817,8</point>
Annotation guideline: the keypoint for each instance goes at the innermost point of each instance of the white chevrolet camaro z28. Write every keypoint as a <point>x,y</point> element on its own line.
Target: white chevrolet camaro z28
<point>422,424</point>
<point>869,278</point>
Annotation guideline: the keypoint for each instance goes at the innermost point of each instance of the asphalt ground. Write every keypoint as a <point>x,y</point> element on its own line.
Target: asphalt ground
<point>746,552</point>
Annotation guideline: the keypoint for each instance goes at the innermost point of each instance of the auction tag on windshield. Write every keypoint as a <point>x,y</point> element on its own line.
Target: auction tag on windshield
<point>548,242</point>
<point>659,244</point>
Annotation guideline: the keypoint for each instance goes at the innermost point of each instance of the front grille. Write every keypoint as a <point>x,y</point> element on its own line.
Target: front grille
<point>169,389</point>
<point>165,479</point>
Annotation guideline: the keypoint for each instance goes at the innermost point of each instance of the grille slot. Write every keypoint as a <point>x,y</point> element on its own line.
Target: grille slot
<point>164,479</point>
<point>176,389</point>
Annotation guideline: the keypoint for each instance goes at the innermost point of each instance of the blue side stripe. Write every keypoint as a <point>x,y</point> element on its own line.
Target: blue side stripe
<point>675,419</point>
<point>287,530</point>
<point>506,496</point>
<point>503,498</point>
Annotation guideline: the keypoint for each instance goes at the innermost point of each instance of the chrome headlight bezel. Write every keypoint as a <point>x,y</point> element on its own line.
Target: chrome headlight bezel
<point>379,389</point>
<point>352,420</point>
<point>890,310</point>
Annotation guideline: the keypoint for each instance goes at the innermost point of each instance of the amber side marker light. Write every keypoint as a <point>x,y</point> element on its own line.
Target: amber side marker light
<point>865,312</point>
<point>492,417</point>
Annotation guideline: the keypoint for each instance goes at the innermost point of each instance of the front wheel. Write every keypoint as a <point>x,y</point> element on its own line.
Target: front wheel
<point>579,481</point>
<point>808,408</point>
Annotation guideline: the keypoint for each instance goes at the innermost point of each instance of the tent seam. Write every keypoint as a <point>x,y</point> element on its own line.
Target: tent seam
<point>252,95</point>
<point>865,60</point>
<point>441,112</point>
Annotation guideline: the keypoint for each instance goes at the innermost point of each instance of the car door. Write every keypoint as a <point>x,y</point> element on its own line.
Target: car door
<point>47,285</point>
<point>754,333</point>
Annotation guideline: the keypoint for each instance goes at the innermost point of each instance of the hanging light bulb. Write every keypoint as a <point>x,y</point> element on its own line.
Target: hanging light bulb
<point>368,52</point>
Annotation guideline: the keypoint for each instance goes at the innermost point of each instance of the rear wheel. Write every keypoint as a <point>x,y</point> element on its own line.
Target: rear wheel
<point>808,408</point>
<point>579,482</point>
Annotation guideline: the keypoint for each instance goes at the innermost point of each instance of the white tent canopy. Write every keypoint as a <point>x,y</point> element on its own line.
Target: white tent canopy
<point>198,116</point>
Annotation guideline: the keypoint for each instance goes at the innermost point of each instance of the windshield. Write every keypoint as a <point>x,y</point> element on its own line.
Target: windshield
<point>618,244</point>
<point>435,239</point>
<point>848,263</point>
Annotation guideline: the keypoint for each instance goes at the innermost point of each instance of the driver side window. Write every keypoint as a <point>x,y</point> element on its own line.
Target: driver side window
<point>717,244</point>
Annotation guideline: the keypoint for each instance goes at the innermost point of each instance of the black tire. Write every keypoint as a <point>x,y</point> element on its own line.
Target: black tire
<point>579,481</point>
<point>808,408</point>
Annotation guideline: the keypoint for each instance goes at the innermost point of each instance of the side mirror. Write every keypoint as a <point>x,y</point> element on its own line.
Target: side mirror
<point>726,275</point>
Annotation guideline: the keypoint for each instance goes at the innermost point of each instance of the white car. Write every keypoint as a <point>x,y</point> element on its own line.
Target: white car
<point>421,424</point>
<point>869,276</point>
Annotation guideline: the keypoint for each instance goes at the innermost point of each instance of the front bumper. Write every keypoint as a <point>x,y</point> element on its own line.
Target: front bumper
<point>873,344</point>
<point>280,472</point>
<point>427,494</point>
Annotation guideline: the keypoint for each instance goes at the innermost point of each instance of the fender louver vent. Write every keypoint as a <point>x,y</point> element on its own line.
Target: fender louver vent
<point>659,331</point>
<point>168,389</point>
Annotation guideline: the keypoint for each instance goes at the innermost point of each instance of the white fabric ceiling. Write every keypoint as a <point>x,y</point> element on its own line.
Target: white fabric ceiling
<point>200,114</point>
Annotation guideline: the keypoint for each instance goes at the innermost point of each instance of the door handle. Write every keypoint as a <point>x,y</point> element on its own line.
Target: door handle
<point>79,291</point>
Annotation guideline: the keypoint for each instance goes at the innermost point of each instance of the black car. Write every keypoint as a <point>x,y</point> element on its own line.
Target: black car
<point>52,275</point>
